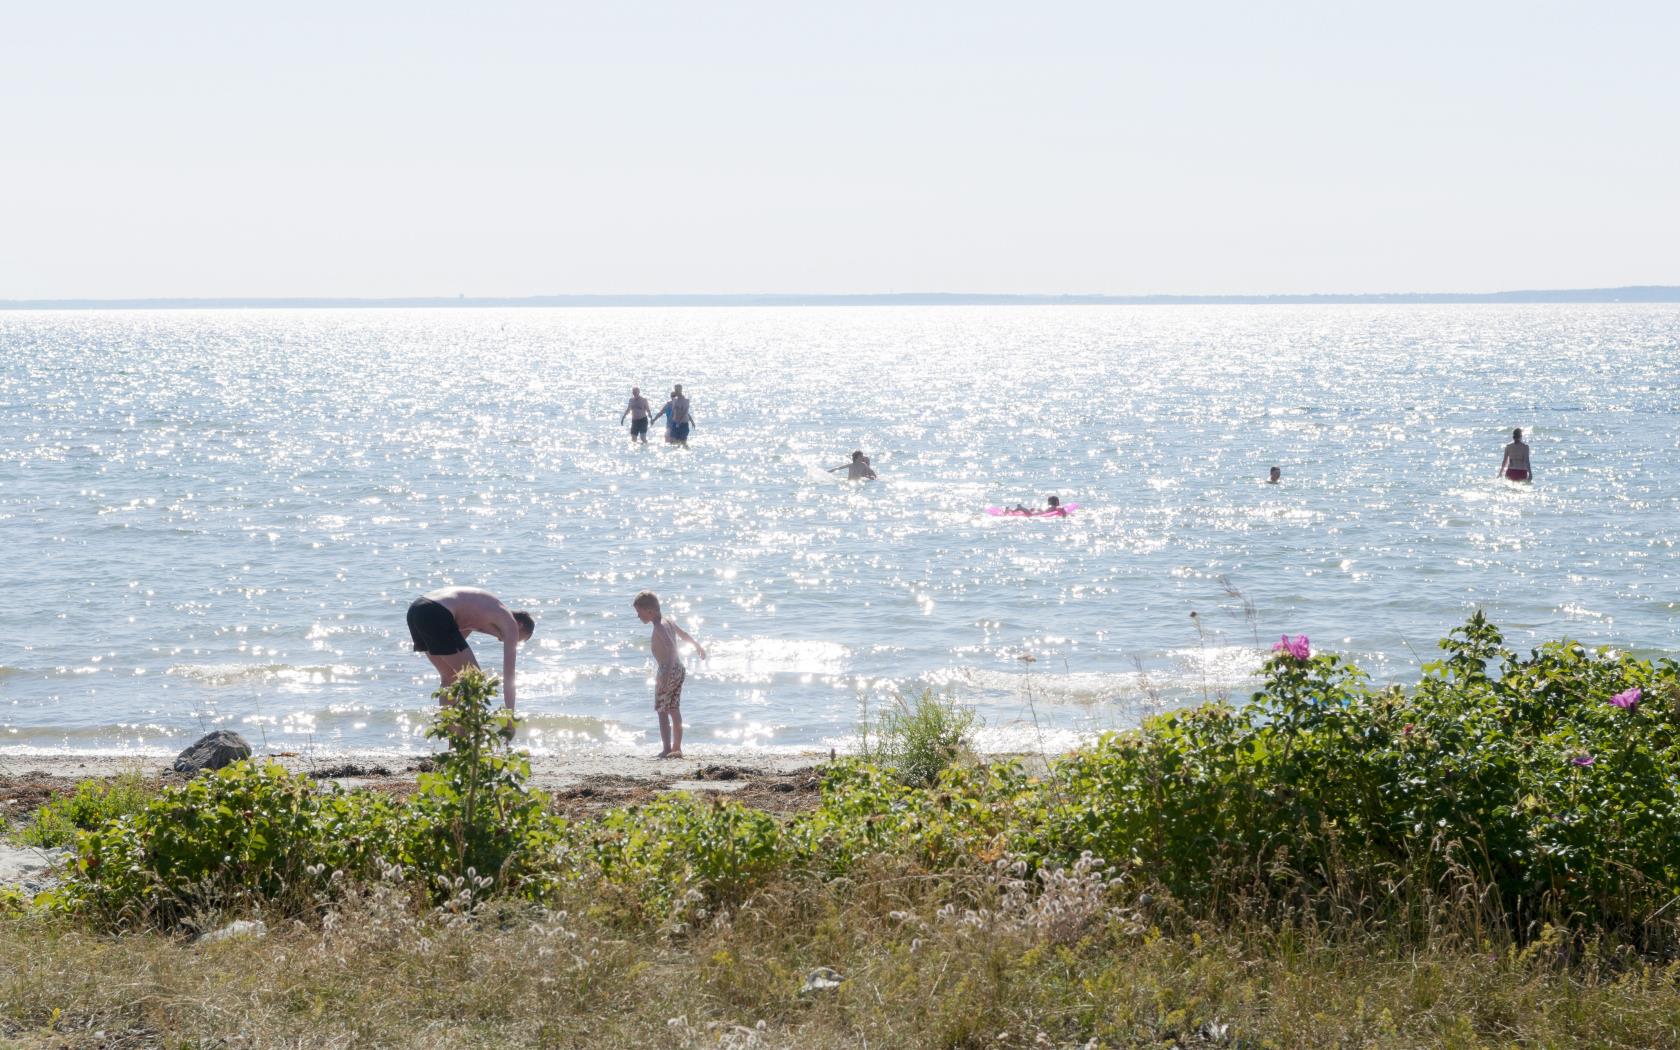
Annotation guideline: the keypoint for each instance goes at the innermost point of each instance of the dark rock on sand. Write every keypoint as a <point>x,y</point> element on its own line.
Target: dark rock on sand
<point>213,751</point>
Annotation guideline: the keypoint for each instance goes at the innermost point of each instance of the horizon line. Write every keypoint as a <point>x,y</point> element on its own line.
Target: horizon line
<point>1648,293</point>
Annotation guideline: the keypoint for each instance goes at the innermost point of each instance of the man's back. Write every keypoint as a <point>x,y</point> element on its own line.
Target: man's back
<point>1516,455</point>
<point>474,609</point>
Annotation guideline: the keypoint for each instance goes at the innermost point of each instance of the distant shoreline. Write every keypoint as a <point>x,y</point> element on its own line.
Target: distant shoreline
<point>1629,294</point>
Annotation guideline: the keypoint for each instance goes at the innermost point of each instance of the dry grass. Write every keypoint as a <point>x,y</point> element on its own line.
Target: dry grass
<point>929,961</point>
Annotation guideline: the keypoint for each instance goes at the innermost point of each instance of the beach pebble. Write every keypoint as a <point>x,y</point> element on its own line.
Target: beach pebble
<point>822,979</point>
<point>212,751</point>
<point>242,928</point>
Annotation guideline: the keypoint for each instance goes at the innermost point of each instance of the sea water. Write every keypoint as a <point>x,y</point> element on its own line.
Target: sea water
<point>218,518</point>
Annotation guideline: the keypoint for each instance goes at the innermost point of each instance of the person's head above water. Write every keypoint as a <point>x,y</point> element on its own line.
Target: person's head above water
<point>676,391</point>
<point>1516,435</point>
<point>1054,502</point>
<point>857,455</point>
<point>1277,472</point>
<point>635,391</point>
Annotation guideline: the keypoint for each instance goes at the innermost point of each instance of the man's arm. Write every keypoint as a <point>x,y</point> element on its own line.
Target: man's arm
<point>1504,462</point>
<point>510,648</point>
<point>622,414</point>
<point>689,638</point>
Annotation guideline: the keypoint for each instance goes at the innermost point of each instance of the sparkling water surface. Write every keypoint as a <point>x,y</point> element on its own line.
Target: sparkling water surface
<point>218,518</point>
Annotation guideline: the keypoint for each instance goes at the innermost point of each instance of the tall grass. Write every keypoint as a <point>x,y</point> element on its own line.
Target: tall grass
<point>942,962</point>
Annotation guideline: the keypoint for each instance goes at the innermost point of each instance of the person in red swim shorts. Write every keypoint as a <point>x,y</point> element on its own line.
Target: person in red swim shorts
<point>1515,466</point>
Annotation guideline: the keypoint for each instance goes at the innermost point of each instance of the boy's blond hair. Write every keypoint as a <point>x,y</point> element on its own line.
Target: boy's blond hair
<point>647,600</point>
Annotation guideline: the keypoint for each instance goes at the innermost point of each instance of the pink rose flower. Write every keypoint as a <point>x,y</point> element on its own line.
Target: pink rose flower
<point>1296,647</point>
<point>1627,700</point>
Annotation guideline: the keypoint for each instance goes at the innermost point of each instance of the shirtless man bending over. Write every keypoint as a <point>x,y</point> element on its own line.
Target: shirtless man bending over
<point>440,620</point>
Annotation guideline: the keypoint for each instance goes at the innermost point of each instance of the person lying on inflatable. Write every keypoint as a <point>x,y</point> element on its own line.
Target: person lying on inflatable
<point>1055,510</point>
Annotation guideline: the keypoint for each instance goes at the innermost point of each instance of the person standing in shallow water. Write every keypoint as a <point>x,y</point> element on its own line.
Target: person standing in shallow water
<point>637,410</point>
<point>858,469</point>
<point>440,620</point>
<point>678,417</point>
<point>1515,465</point>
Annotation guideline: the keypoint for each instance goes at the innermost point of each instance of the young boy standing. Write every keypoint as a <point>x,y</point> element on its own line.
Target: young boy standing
<point>667,688</point>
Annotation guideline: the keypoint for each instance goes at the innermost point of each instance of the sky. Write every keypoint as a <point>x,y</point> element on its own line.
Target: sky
<point>498,149</point>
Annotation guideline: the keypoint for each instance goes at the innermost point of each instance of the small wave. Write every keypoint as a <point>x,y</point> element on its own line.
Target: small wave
<point>1189,673</point>
<point>762,656</point>
<point>42,751</point>
<point>238,674</point>
<point>1080,687</point>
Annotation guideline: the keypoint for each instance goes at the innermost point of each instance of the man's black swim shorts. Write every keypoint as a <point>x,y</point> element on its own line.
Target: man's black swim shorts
<point>434,629</point>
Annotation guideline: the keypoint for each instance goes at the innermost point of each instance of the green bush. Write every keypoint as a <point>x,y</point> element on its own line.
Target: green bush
<point>244,836</point>
<point>1509,788</point>
<point>679,851</point>
<point>1525,790</point>
<point>968,813</point>
<point>92,804</point>
<point>253,835</point>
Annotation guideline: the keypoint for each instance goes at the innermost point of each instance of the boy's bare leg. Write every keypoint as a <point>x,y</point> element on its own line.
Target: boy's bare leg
<point>676,734</point>
<point>665,733</point>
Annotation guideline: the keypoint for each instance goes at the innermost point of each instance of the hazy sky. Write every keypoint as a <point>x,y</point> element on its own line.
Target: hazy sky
<point>204,149</point>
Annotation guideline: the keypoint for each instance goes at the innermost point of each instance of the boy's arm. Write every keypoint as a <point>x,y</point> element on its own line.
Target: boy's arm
<point>689,638</point>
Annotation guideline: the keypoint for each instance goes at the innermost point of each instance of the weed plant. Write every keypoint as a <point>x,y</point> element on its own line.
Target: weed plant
<point>917,739</point>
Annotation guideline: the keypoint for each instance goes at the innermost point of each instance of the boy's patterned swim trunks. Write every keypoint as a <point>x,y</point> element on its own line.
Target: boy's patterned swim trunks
<point>667,691</point>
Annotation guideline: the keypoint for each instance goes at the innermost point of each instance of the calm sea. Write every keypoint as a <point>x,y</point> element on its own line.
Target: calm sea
<point>218,518</point>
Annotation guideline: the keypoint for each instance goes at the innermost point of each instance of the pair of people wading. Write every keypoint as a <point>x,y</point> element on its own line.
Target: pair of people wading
<point>679,417</point>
